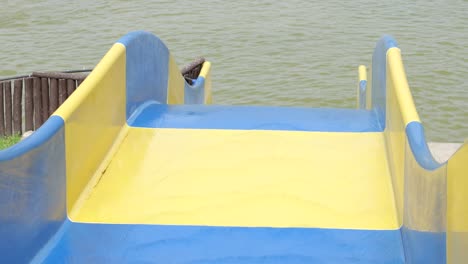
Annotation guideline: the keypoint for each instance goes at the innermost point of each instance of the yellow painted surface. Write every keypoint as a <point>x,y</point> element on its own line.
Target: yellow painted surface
<point>396,73</point>
<point>395,137</point>
<point>400,110</point>
<point>94,115</point>
<point>205,72</point>
<point>457,206</point>
<point>245,178</point>
<point>362,73</point>
<point>94,179</point>
<point>425,196</point>
<point>457,190</point>
<point>175,85</point>
<point>419,193</point>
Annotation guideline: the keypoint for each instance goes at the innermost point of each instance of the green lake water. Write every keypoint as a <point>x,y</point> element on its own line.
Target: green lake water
<point>302,53</point>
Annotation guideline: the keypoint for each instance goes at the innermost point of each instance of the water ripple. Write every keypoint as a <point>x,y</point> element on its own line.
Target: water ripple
<point>263,52</point>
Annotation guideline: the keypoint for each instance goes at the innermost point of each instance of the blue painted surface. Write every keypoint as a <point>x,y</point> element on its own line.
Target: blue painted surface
<point>147,59</point>
<point>103,243</point>
<point>424,247</point>
<point>362,94</point>
<point>32,186</point>
<point>44,133</point>
<point>255,118</point>
<point>417,141</point>
<point>195,94</point>
<point>379,72</point>
<point>32,192</point>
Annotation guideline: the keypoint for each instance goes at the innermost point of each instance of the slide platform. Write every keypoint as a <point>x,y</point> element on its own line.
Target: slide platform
<point>138,166</point>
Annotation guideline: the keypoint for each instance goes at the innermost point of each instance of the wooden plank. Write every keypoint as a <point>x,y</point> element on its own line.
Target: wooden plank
<point>62,91</point>
<point>61,75</point>
<point>71,86</point>
<point>45,98</point>
<point>18,107</point>
<point>54,96</point>
<point>37,99</point>
<point>8,114</point>
<point>2,119</point>
<point>79,81</point>
<point>28,105</point>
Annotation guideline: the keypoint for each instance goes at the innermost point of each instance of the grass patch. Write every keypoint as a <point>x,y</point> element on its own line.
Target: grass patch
<point>9,141</point>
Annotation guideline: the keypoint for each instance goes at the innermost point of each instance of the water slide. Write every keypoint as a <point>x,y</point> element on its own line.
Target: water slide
<point>137,166</point>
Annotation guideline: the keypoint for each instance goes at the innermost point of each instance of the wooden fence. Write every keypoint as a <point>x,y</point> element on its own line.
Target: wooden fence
<point>26,102</point>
